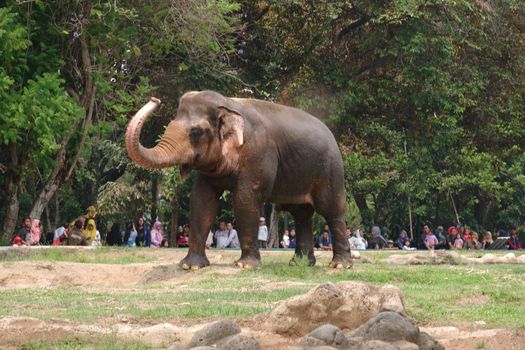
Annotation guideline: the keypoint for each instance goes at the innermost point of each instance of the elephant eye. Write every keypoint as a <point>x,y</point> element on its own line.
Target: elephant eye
<point>195,133</point>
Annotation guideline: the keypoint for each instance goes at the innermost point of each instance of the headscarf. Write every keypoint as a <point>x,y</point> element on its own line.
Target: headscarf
<point>90,234</point>
<point>376,231</point>
<point>35,232</point>
<point>156,234</point>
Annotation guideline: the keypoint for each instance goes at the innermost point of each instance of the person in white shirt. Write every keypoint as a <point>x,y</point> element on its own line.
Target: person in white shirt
<point>209,240</point>
<point>262,236</point>
<point>233,239</point>
<point>286,238</point>
<point>221,236</point>
<point>357,241</point>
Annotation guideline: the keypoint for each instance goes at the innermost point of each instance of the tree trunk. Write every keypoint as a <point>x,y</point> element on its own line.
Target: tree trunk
<point>366,215</point>
<point>64,169</point>
<point>14,181</point>
<point>154,197</point>
<point>13,206</point>
<point>273,241</point>
<point>56,221</point>
<point>174,219</point>
<point>48,220</point>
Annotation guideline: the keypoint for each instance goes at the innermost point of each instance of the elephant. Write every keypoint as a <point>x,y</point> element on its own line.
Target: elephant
<point>260,151</point>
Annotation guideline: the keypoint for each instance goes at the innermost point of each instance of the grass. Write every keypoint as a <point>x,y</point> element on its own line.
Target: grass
<point>103,255</point>
<point>434,294</point>
<point>84,343</point>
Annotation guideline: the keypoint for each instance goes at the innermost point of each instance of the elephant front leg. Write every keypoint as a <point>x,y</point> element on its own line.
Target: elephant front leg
<point>305,239</point>
<point>246,207</point>
<point>204,205</point>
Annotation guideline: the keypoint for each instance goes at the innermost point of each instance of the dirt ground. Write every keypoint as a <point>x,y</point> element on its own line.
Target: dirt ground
<point>165,273</point>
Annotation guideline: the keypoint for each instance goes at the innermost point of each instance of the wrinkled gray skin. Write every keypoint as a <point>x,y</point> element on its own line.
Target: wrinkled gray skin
<point>261,152</point>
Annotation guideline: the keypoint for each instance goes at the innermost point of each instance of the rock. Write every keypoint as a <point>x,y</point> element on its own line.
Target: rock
<point>404,345</point>
<point>425,258</point>
<point>325,335</point>
<point>346,304</point>
<point>376,345</point>
<point>239,342</point>
<point>389,326</point>
<point>426,342</point>
<point>213,332</point>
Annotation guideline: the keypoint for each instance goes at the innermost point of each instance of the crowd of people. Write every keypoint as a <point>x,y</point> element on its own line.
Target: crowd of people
<point>83,231</point>
<point>456,237</point>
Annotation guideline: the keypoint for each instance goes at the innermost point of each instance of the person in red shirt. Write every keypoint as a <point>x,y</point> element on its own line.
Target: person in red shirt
<point>514,242</point>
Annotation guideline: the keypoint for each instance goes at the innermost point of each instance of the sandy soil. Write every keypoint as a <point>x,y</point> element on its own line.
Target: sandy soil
<point>22,274</point>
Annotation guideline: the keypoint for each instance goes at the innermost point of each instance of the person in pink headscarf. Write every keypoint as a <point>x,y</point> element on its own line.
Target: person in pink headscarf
<point>156,235</point>
<point>36,232</point>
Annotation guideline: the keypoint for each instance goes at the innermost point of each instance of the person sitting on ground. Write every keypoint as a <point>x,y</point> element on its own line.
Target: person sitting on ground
<point>324,241</point>
<point>390,245</point>
<point>209,240</point>
<point>514,242</point>
<point>406,245</point>
<point>91,234</point>
<point>442,240</point>
<point>23,236</point>
<point>156,235</point>
<point>114,236</point>
<point>358,241</point>
<point>458,242</point>
<point>430,240</point>
<point>262,235</point>
<point>386,234</point>
<point>349,235</point>
<point>293,239</point>
<point>286,238</point>
<point>221,236</point>
<point>377,241</point>
<point>487,240</point>
<point>233,239</point>
<point>183,239</point>
<point>132,237</point>
<point>165,244</point>
<point>451,237</point>
<point>75,234</point>
<point>36,232</point>
<point>474,242</point>
<point>58,236</point>
<point>143,233</point>
<point>400,241</point>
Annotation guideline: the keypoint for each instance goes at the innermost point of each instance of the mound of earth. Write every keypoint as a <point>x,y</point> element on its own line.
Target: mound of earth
<point>345,304</point>
<point>438,257</point>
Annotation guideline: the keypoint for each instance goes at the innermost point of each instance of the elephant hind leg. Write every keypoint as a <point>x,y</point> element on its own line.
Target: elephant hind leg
<point>302,215</point>
<point>331,206</point>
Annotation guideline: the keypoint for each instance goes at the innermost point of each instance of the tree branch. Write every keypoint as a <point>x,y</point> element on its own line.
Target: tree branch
<point>354,25</point>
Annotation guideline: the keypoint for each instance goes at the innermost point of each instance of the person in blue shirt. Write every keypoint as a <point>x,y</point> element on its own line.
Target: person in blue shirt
<point>324,241</point>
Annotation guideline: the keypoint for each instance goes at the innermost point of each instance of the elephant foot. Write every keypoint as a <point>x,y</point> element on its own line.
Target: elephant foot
<point>301,260</point>
<point>341,262</point>
<point>194,262</point>
<point>248,263</point>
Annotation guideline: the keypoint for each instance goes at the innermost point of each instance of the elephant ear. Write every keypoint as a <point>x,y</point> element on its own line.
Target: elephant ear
<point>231,130</point>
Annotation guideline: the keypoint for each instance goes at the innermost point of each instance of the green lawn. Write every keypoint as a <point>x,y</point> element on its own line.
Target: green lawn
<point>434,294</point>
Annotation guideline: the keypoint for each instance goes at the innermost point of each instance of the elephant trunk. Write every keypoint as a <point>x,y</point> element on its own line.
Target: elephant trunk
<point>163,155</point>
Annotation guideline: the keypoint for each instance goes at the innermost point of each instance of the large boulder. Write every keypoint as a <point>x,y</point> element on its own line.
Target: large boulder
<point>214,332</point>
<point>346,305</point>
<point>388,326</point>
<point>325,335</point>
